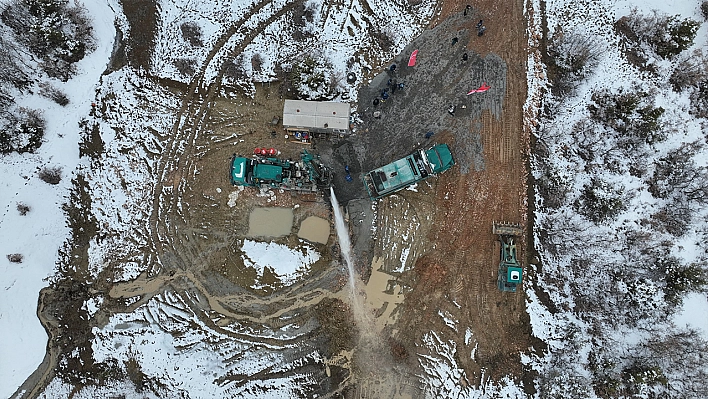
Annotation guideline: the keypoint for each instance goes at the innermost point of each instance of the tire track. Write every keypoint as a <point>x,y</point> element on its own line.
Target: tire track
<point>188,103</point>
<point>184,162</point>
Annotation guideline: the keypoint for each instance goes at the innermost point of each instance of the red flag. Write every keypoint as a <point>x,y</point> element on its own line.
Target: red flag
<point>481,89</point>
<point>411,61</point>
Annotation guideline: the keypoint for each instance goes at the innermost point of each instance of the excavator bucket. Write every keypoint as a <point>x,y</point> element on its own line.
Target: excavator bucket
<point>507,229</point>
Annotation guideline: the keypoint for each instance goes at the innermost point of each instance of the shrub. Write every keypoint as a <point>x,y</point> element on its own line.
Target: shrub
<point>15,258</point>
<point>54,31</point>
<point>313,79</point>
<point>21,131</point>
<point>699,100</point>
<point>51,175</point>
<point>637,375</point>
<point>704,10</point>
<point>632,115</point>
<point>600,201</point>
<point>59,34</point>
<point>192,33</point>
<point>186,66</point>
<point>10,70</point>
<point>91,144</point>
<point>54,94</point>
<point>23,208</point>
<point>667,35</point>
<point>571,58</point>
<point>689,71</point>
<point>681,279</point>
<point>552,186</point>
<point>234,70</point>
<point>257,63</point>
<point>674,218</point>
<point>677,174</point>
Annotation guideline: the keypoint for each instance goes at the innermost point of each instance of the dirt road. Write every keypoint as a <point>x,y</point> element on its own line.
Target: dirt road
<point>436,244</point>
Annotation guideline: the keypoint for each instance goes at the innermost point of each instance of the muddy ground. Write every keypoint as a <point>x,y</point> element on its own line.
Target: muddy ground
<point>444,228</point>
<point>417,254</point>
<point>430,250</point>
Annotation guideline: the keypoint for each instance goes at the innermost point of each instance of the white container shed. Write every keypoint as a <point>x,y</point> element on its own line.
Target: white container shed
<point>316,116</point>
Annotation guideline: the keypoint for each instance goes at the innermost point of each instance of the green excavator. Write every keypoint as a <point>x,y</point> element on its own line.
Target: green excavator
<point>510,270</point>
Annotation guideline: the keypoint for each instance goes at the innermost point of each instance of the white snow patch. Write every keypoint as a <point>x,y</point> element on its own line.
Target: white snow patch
<point>233,196</point>
<point>286,263</point>
<point>694,313</point>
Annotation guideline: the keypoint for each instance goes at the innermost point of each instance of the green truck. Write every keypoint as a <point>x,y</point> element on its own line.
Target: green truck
<point>406,171</point>
<point>306,175</point>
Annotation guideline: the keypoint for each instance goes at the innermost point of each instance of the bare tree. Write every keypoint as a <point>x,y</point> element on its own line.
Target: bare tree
<point>677,173</point>
<point>689,71</point>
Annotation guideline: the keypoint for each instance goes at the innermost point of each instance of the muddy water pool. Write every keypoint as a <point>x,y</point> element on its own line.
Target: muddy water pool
<point>314,229</point>
<point>270,222</point>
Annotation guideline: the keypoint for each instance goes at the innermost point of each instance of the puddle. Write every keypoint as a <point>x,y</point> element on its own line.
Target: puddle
<point>270,222</point>
<point>314,229</point>
<point>382,295</point>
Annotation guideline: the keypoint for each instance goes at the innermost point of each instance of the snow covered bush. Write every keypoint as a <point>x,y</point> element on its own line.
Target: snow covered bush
<point>673,365</point>
<point>600,201</point>
<point>23,209</point>
<point>631,114</point>
<point>91,143</point>
<point>665,35</point>
<point>192,33</point>
<point>257,63</point>
<point>21,130</point>
<point>572,57</point>
<point>235,71</point>
<point>681,279</point>
<point>690,71</point>
<point>313,78</point>
<point>674,218</point>
<point>677,174</point>
<point>59,33</point>
<point>699,100</point>
<point>52,93</point>
<point>552,186</point>
<point>186,66</point>
<point>51,175</point>
<point>15,258</point>
<point>704,9</point>
<point>11,74</point>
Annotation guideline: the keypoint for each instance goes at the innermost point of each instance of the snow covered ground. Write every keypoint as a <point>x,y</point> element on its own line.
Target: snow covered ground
<point>341,35</point>
<point>607,314</point>
<point>39,234</point>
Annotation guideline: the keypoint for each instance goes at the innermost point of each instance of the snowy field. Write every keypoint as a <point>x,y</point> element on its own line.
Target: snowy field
<point>614,316</point>
<point>40,233</point>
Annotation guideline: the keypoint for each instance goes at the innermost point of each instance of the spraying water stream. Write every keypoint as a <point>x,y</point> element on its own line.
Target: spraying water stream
<point>344,242</point>
<point>370,353</point>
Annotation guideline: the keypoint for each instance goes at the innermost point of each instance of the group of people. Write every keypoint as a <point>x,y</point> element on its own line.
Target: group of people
<point>391,86</point>
<point>480,25</point>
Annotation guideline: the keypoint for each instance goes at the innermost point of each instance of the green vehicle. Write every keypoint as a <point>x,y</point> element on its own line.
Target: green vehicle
<point>306,175</point>
<point>411,169</point>
<point>510,270</point>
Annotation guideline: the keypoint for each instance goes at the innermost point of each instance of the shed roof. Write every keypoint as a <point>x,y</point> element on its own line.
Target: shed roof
<point>316,114</point>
